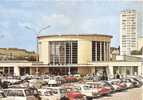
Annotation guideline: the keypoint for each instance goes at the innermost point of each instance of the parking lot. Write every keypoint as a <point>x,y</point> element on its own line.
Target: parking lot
<point>131,94</point>
<point>71,87</point>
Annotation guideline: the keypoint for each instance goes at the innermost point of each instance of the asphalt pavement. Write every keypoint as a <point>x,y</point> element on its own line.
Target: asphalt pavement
<point>130,94</point>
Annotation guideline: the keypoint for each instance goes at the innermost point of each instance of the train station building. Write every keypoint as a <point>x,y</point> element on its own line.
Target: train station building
<point>71,54</point>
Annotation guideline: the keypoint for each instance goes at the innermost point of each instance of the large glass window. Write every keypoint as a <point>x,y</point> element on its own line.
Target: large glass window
<point>100,51</point>
<point>63,52</point>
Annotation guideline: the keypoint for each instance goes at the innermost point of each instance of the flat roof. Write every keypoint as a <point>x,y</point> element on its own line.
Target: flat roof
<point>81,34</point>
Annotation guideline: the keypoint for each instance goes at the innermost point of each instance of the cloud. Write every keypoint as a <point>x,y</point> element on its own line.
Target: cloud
<point>100,24</point>
<point>56,19</point>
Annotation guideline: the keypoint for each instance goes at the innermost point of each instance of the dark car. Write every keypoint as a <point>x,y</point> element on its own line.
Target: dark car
<point>135,82</point>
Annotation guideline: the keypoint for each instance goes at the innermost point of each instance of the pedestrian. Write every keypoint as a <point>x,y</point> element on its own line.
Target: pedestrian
<point>118,76</point>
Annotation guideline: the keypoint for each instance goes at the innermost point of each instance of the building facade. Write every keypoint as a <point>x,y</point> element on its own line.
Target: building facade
<point>69,50</point>
<point>71,54</point>
<point>129,30</point>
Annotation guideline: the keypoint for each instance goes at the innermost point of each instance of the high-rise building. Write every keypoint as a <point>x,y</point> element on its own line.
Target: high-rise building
<point>129,30</point>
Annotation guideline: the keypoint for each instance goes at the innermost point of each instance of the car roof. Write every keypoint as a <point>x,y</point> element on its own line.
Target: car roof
<point>113,80</point>
<point>54,87</point>
<point>14,89</point>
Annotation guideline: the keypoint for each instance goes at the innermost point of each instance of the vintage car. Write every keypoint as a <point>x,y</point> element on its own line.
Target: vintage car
<point>86,90</point>
<point>46,94</point>
<point>21,94</point>
<point>100,88</point>
<point>135,81</point>
<point>58,92</point>
<point>75,95</point>
<point>128,83</point>
<point>116,83</point>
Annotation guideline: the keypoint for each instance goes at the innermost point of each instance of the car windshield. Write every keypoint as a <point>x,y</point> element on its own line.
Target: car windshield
<point>30,92</point>
<point>62,91</point>
<point>86,87</point>
<point>47,93</point>
<point>55,91</point>
<point>15,93</point>
<point>77,88</point>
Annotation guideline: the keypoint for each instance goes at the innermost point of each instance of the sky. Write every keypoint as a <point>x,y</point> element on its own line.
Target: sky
<point>63,16</point>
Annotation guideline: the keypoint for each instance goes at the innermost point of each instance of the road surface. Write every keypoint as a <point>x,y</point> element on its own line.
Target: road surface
<point>130,94</point>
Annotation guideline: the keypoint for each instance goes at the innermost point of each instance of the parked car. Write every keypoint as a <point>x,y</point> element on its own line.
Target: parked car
<point>135,82</point>
<point>11,80</point>
<point>86,90</point>
<point>100,88</point>
<point>116,84</point>
<point>21,94</point>
<point>70,79</point>
<point>75,95</point>
<point>110,85</point>
<point>46,94</point>
<point>58,92</point>
<point>128,83</point>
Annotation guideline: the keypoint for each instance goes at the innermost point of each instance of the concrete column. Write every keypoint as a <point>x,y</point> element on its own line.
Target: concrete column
<point>30,70</point>
<point>107,51</point>
<point>140,69</point>
<point>131,70</point>
<point>16,71</point>
<point>100,51</point>
<point>92,70</point>
<point>104,52</point>
<point>123,70</point>
<point>96,51</point>
<point>110,74</point>
<point>37,70</point>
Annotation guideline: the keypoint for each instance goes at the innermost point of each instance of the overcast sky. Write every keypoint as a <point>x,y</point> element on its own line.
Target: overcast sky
<point>64,17</point>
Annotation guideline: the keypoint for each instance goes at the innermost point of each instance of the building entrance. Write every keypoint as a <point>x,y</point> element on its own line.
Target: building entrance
<point>101,72</point>
<point>62,70</point>
<point>24,70</point>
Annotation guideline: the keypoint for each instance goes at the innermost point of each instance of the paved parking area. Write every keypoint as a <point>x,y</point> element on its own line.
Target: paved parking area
<point>130,94</point>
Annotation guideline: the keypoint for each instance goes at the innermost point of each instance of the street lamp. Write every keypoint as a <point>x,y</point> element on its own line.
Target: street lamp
<point>37,32</point>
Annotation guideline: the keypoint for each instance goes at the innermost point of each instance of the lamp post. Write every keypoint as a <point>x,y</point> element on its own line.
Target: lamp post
<point>37,33</point>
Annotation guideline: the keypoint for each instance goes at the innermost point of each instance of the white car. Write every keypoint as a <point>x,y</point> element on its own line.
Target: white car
<point>52,82</point>
<point>58,92</point>
<point>21,94</point>
<point>85,90</point>
<point>115,86</point>
<point>46,94</point>
<point>128,83</point>
<point>11,80</point>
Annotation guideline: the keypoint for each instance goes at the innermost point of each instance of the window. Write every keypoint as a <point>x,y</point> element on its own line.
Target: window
<point>63,52</point>
<point>15,93</point>
<point>100,50</point>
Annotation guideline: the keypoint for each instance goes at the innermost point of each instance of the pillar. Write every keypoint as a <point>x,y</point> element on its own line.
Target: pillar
<point>140,69</point>
<point>111,73</point>
<point>16,71</point>
<point>104,52</point>
<point>30,70</point>
<point>37,71</point>
<point>131,70</point>
<point>92,70</point>
<point>96,51</point>
<point>100,51</point>
<point>124,71</point>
